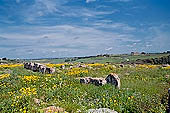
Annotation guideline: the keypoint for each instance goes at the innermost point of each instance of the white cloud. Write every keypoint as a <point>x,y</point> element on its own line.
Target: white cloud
<point>87,1</point>
<point>18,1</point>
<point>121,0</point>
<point>53,51</point>
<point>158,38</point>
<point>58,9</point>
<point>49,5</point>
<point>115,26</point>
<point>61,41</point>
<point>108,49</point>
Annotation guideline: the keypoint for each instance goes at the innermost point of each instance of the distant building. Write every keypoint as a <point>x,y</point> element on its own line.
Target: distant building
<point>135,53</point>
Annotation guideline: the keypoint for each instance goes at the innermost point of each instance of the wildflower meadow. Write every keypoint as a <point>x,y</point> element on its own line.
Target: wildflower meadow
<point>143,89</point>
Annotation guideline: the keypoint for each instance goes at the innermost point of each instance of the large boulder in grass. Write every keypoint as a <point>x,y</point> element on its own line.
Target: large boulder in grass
<point>110,79</point>
<point>101,110</point>
<point>113,79</point>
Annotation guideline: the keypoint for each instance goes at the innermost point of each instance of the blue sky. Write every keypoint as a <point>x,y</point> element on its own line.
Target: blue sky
<point>64,28</point>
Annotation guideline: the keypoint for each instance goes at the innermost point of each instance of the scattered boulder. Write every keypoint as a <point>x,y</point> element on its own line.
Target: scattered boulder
<point>98,81</point>
<point>111,79</point>
<point>114,80</point>
<point>101,110</point>
<point>37,101</point>
<point>36,67</point>
<point>95,81</point>
<point>53,109</point>
<point>85,80</point>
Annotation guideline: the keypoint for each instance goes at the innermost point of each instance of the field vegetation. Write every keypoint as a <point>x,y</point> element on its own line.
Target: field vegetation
<point>143,88</point>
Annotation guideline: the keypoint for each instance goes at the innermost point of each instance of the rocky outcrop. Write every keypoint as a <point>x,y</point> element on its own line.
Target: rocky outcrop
<point>37,67</point>
<point>110,79</point>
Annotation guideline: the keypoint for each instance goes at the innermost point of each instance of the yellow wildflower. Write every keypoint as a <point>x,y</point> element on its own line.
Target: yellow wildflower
<point>4,76</point>
<point>28,91</point>
<point>31,78</point>
<point>10,65</point>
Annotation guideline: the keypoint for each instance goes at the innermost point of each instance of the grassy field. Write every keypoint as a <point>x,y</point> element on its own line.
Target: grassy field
<point>120,58</point>
<point>111,59</point>
<point>143,89</point>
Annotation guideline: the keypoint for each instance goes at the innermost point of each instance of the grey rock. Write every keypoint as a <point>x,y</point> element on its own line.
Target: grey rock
<point>114,80</point>
<point>95,81</point>
<point>37,67</point>
<point>101,110</point>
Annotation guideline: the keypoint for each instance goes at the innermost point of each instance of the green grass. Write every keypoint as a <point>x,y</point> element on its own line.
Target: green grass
<point>142,90</point>
<point>119,58</point>
<point>101,60</point>
<point>111,59</point>
<point>53,61</point>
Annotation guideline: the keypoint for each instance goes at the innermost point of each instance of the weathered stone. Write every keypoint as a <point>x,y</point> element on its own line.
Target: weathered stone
<point>37,101</point>
<point>26,65</point>
<point>98,81</point>
<point>30,66</point>
<point>53,109</point>
<point>43,69</point>
<point>113,79</point>
<point>101,110</point>
<point>85,80</point>
<point>36,67</point>
<point>95,81</point>
<point>52,70</point>
<point>62,66</point>
<point>49,70</point>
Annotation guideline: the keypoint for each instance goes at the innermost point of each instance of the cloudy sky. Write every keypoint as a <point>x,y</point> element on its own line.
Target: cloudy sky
<point>64,28</point>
